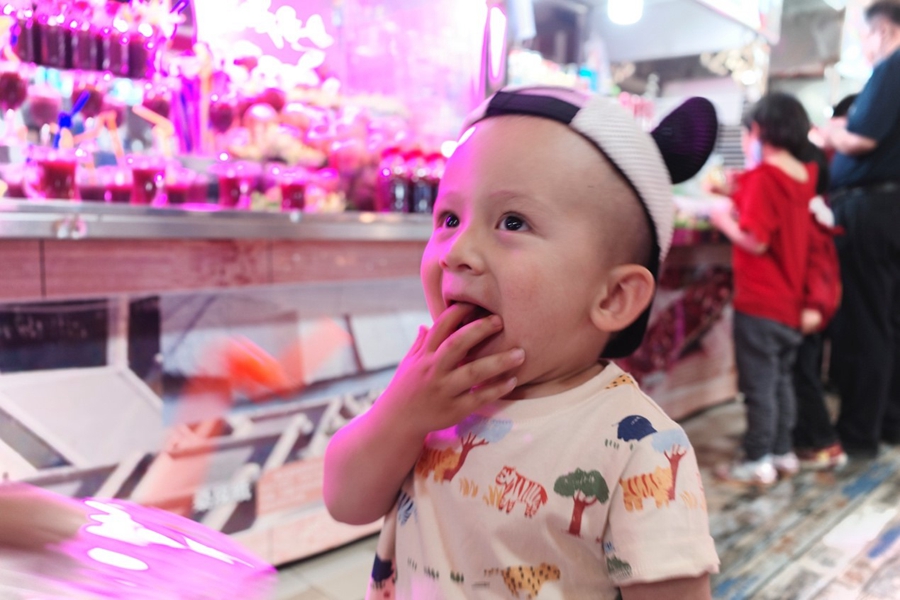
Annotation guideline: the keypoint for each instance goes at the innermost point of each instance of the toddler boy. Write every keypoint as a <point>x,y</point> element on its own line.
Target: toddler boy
<point>514,459</point>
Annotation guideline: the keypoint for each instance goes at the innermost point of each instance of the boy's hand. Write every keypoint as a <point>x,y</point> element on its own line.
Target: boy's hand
<point>810,321</point>
<point>435,387</point>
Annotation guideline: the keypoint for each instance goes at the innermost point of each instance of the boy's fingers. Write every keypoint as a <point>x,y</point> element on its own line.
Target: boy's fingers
<point>420,339</point>
<point>487,393</point>
<point>458,344</point>
<point>446,323</point>
<point>484,370</point>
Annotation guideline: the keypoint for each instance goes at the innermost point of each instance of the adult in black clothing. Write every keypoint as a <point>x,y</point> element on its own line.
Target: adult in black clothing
<point>865,196</point>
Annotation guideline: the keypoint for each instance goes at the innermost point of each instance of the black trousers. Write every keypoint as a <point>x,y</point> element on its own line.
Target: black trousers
<point>813,429</point>
<point>765,352</point>
<point>866,330</point>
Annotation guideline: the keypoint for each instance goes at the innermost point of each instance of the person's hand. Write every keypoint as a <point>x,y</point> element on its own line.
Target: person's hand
<point>828,131</point>
<point>722,216</point>
<point>435,387</point>
<point>34,519</point>
<point>810,321</point>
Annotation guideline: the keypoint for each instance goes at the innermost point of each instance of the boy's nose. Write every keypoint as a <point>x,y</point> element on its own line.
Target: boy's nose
<point>462,253</point>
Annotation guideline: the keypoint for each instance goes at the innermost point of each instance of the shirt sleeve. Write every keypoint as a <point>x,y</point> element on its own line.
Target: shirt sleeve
<point>658,526</point>
<point>756,208</point>
<point>875,111</point>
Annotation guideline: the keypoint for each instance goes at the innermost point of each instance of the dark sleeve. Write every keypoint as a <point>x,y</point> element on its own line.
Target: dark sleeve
<point>877,110</point>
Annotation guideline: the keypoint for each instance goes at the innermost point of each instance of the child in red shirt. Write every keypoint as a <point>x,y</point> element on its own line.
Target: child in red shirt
<point>771,236</point>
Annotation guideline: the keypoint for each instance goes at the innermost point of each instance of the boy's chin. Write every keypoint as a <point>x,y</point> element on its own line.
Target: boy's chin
<point>490,346</point>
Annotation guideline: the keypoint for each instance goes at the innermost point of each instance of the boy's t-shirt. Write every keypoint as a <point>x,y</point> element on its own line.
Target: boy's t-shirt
<point>568,496</point>
<point>775,208</point>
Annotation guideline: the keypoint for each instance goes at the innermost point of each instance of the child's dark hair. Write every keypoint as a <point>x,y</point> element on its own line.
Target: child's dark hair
<point>889,9</point>
<point>842,108</point>
<point>782,120</point>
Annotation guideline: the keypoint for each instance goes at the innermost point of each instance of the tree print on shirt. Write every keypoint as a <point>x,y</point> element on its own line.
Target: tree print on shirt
<point>477,431</point>
<point>673,444</point>
<point>586,488</point>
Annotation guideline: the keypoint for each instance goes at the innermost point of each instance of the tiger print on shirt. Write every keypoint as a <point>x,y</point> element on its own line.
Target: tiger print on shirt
<point>518,488</point>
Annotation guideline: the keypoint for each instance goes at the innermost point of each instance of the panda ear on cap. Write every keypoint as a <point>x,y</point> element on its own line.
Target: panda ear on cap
<point>686,138</point>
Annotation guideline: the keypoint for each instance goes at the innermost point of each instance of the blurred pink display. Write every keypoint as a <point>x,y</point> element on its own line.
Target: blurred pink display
<point>121,550</point>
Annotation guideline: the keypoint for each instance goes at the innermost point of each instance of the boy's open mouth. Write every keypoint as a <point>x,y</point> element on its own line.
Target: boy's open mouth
<point>478,312</point>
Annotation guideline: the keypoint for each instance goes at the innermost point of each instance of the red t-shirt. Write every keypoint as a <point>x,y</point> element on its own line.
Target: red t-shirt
<point>774,207</point>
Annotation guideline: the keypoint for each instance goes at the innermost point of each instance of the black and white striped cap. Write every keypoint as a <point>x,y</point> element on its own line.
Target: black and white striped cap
<point>649,163</point>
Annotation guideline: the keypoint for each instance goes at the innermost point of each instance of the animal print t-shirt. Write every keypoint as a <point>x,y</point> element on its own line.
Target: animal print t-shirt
<point>568,496</point>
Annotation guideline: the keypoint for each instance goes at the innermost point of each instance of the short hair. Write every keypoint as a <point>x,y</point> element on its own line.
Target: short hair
<point>782,122</point>
<point>843,107</point>
<point>889,9</point>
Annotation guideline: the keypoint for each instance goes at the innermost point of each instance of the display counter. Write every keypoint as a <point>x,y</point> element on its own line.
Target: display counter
<point>56,250</point>
<point>119,319</point>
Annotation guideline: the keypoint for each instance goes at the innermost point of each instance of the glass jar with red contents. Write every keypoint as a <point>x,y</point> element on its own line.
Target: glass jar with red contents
<point>420,186</point>
<point>222,112</point>
<point>28,42</point>
<point>13,88</point>
<point>55,36</point>
<point>96,93</point>
<point>158,98</point>
<point>436,165</point>
<point>143,44</point>
<point>116,43</point>
<point>293,184</point>
<point>392,193</point>
<point>86,47</point>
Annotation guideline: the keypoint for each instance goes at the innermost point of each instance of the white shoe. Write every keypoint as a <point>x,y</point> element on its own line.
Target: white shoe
<point>758,472</point>
<point>786,464</point>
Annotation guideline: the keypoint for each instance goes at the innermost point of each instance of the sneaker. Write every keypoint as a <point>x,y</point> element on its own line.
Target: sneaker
<point>787,464</point>
<point>830,457</point>
<point>755,472</point>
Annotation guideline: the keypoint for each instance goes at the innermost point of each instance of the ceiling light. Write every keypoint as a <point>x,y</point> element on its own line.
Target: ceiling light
<point>625,12</point>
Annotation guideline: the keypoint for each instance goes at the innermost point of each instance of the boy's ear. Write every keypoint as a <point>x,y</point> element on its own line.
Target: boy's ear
<point>627,293</point>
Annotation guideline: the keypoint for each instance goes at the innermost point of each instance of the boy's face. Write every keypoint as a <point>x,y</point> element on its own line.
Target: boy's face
<point>519,231</point>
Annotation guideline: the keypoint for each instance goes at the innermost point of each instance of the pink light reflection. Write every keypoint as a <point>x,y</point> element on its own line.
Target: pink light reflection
<point>114,559</point>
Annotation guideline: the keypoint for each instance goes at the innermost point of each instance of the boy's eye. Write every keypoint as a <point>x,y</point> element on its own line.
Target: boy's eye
<point>449,220</point>
<point>513,223</point>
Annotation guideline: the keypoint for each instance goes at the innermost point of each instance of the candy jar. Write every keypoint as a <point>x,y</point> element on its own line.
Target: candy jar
<point>94,87</point>
<point>86,47</point>
<point>436,165</point>
<point>392,194</point>
<point>116,43</point>
<point>143,43</point>
<point>158,98</point>
<point>13,92</point>
<point>420,187</point>
<point>42,109</point>
<point>56,46</point>
<point>28,42</point>
<point>222,116</point>
<point>222,112</point>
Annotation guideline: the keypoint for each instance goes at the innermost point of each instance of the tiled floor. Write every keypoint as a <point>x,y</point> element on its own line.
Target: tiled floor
<point>338,575</point>
<point>815,536</point>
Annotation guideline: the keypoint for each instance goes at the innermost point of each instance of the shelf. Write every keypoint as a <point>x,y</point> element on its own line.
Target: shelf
<point>60,220</point>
